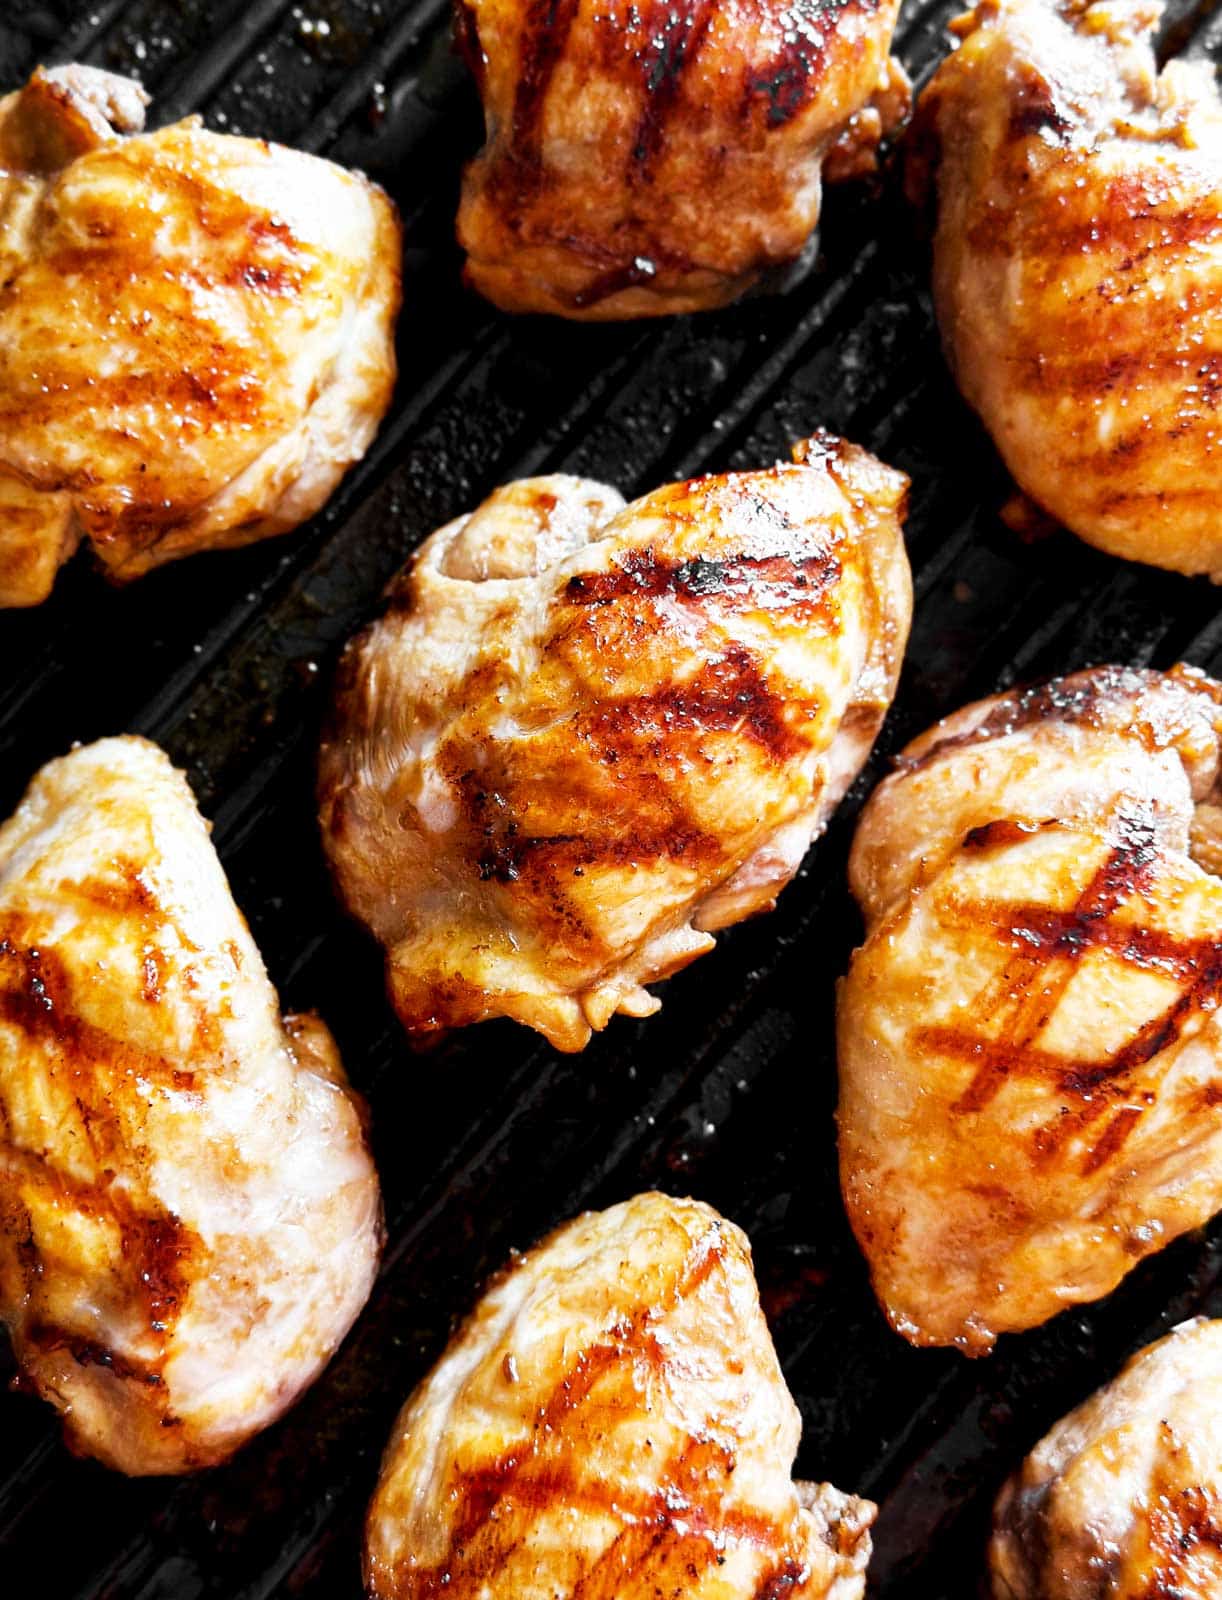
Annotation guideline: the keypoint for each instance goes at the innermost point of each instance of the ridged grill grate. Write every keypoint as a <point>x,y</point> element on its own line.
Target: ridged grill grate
<point>729,1092</point>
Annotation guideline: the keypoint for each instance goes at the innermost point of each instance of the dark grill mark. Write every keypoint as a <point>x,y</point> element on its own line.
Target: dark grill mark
<point>507,855</point>
<point>747,583</point>
<point>775,1585</point>
<point>676,33</point>
<point>546,26</point>
<point>996,835</point>
<point>640,270</point>
<point>1047,946</point>
<point>36,996</point>
<point>1035,111</point>
<point>669,1536</point>
<point>1091,698</point>
<point>790,80</point>
<point>1197,371</point>
<point>1124,219</point>
<point>93,1071</point>
<point>727,695</point>
<point>47,1338</point>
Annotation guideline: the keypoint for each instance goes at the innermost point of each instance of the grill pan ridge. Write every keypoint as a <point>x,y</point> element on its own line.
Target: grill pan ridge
<point>491,1139</point>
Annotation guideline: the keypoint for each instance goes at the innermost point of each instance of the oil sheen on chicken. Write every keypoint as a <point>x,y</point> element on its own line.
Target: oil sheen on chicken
<point>189,1217</point>
<point>656,157</point>
<point>1123,1499</point>
<point>586,736</point>
<point>195,332</point>
<point>1030,1046</point>
<point>611,1423</point>
<point>1078,267</point>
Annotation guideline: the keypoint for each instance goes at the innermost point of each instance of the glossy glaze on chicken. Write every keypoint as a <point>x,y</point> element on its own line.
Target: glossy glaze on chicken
<point>195,332</point>
<point>644,159</point>
<point>1078,266</point>
<point>586,736</point>
<point>1030,1050</point>
<point>189,1217</point>
<point>1123,1498</point>
<point>611,1423</point>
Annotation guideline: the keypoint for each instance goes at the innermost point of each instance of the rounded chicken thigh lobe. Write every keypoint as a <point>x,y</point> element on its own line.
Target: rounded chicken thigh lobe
<point>585,735</point>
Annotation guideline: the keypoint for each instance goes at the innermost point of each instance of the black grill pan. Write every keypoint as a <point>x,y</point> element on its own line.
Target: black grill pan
<point>729,1092</point>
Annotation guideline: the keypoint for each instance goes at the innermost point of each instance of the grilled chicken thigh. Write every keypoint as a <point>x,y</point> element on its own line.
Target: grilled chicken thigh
<point>1078,267</point>
<point>1123,1499</point>
<point>611,1423</point>
<point>1030,1046</point>
<point>195,332</point>
<point>648,159</point>
<point>586,736</point>
<point>189,1218</point>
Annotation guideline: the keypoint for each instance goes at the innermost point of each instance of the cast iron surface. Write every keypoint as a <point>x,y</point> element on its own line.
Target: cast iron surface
<point>728,1094</point>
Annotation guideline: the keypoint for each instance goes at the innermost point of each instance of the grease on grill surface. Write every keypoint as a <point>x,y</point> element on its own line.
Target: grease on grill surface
<point>728,1092</point>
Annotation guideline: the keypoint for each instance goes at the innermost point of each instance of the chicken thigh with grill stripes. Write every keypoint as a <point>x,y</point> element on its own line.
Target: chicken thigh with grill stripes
<point>196,332</point>
<point>189,1216</point>
<point>1122,1500</point>
<point>611,1423</point>
<point>586,736</point>
<point>1030,1044</point>
<point>646,157</point>
<point>1078,266</point>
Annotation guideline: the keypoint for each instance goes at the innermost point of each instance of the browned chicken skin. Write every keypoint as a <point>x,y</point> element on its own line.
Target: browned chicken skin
<point>649,159</point>
<point>1123,1498</point>
<point>611,1423</point>
<point>586,736</point>
<point>1078,267</point>
<point>195,332</point>
<point>1030,1050</point>
<point>189,1215</point>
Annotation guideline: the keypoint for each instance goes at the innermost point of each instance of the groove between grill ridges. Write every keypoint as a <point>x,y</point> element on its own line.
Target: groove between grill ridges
<point>1064,628</point>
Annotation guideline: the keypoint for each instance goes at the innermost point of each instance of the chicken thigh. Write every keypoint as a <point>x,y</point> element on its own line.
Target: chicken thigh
<point>644,159</point>
<point>1078,267</point>
<point>1123,1499</point>
<point>611,1423</point>
<point>1030,1045</point>
<point>586,736</point>
<point>195,332</point>
<point>189,1217</point>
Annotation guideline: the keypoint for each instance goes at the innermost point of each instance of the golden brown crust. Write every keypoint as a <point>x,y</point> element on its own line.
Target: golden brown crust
<point>1029,1085</point>
<point>172,1269</point>
<point>195,332</point>
<point>1078,266</point>
<point>543,791</point>
<point>650,159</point>
<point>1122,1500</point>
<point>610,1423</point>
